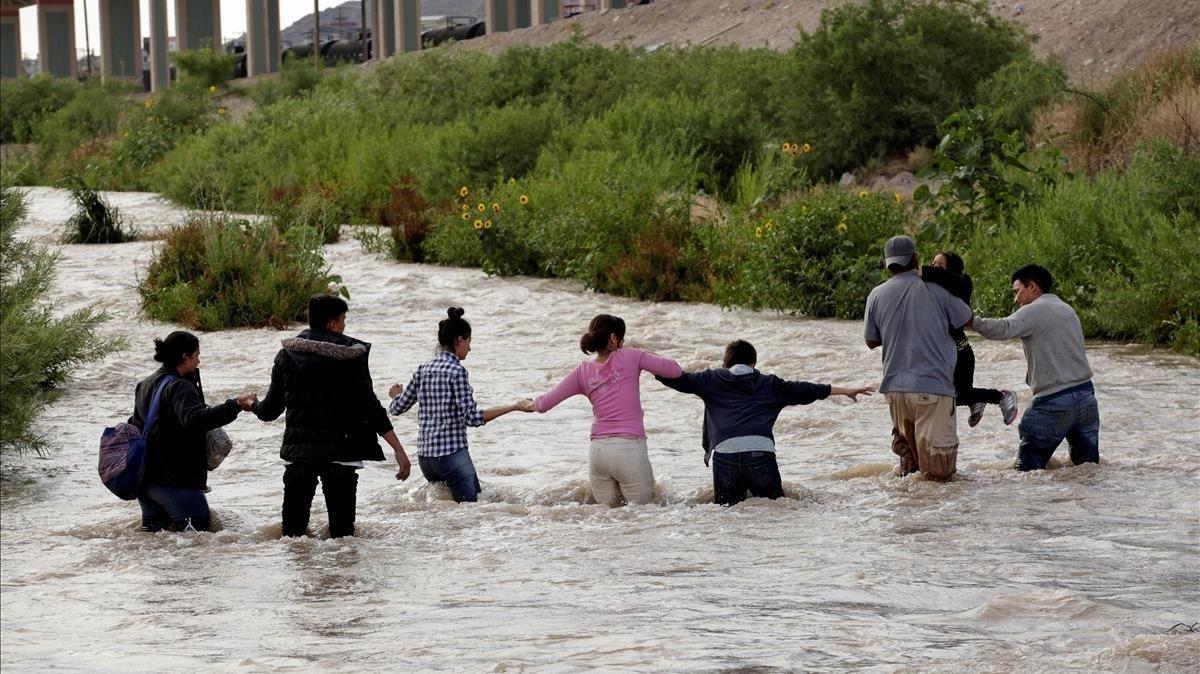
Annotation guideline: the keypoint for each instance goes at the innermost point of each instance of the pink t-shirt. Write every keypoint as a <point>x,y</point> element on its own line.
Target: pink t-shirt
<point>612,386</point>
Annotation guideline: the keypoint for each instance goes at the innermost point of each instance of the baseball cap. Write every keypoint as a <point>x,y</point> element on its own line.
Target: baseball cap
<point>899,250</point>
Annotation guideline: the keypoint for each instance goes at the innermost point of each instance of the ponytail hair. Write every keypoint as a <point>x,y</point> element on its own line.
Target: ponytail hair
<point>453,327</point>
<point>172,350</point>
<point>599,331</point>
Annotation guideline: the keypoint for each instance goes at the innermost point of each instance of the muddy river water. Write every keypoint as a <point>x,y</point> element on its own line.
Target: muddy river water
<point>1081,568</point>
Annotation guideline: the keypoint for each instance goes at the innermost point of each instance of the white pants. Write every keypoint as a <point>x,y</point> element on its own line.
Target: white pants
<point>619,470</point>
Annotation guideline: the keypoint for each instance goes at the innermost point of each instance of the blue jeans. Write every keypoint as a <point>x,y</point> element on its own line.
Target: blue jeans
<point>1071,415</point>
<point>456,470</point>
<point>173,508</point>
<point>745,473</point>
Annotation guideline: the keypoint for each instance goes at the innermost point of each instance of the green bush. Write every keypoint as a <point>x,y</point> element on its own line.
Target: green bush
<point>212,275</point>
<point>297,79</point>
<point>206,67</point>
<point>25,101</point>
<point>95,220</point>
<point>37,350</point>
<point>882,74</point>
<point>818,256</point>
<point>1121,248</point>
<point>91,114</point>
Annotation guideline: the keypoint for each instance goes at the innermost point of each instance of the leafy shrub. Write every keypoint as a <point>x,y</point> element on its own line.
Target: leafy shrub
<point>95,220</point>
<point>92,112</point>
<point>818,256</point>
<point>25,101</point>
<point>297,79</point>
<point>206,67</point>
<point>1013,95</point>
<point>37,350</point>
<point>211,275</point>
<point>881,74</point>
<point>311,209</point>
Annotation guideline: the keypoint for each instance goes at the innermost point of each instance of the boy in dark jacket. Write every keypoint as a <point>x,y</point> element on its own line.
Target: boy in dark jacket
<point>741,405</point>
<point>322,378</point>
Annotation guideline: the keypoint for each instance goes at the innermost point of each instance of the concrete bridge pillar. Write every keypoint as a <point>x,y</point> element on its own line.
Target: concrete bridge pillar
<point>383,29</point>
<point>407,25</point>
<point>262,37</point>
<point>56,37</point>
<point>160,64</point>
<point>545,11</point>
<point>198,24</point>
<point>10,43</point>
<point>121,39</point>
<point>505,15</point>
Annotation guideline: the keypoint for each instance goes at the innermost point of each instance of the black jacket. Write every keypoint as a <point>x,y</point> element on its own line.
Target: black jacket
<point>323,381</point>
<point>960,286</point>
<point>177,455</point>
<point>742,404</point>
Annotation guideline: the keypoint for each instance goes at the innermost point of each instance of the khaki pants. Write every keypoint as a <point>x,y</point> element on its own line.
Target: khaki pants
<point>619,470</point>
<point>924,433</point>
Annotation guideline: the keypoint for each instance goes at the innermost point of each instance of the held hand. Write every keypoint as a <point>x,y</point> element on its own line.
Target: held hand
<point>526,405</point>
<point>403,465</point>
<point>395,390</point>
<point>246,401</point>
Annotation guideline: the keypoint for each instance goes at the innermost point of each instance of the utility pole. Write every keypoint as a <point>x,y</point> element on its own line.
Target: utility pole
<point>87,39</point>
<point>316,32</point>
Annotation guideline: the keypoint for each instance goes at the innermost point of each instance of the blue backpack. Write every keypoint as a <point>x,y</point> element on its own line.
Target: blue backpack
<point>123,451</point>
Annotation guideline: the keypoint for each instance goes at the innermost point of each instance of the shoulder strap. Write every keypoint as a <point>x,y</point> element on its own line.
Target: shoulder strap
<point>150,415</point>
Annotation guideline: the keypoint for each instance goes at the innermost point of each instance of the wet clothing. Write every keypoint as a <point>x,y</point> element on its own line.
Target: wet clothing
<point>457,470</point>
<point>612,388</point>
<point>177,454</point>
<point>744,474</point>
<point>619,471</point>
<point>1052,338</point>
<point>447,405</point>
<point>1071,414</point>
<point>740,404</point>
<point>909,318</point>
<point>323,381</point>
<point>924,433</point>
<point>964,367</point>
<point>173,508</point>
<point>339,484</point>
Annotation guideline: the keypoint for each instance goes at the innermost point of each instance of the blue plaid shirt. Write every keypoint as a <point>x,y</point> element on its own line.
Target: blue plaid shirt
<point>447,405</point>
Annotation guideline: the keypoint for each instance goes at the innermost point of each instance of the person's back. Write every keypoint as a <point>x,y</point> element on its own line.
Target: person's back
<point>613,389</point>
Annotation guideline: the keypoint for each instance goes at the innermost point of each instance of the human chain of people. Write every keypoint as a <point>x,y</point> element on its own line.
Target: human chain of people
<point>321,383</point>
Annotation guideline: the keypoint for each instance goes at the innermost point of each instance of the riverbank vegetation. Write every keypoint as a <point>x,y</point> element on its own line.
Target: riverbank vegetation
<point>38,351</point>
<point>709,174</point>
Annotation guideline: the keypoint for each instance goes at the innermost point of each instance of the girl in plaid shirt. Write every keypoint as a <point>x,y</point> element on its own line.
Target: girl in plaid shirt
<point>447,407</point>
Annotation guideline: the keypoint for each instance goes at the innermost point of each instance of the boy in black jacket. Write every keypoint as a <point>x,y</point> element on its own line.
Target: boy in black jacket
<point>740,408</point>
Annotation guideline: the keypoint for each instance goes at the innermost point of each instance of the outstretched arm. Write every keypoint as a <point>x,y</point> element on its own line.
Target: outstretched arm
<point>568,387</point>
<point>688,383</point>
<point>659,366</point>
<point>271,406</point>
<point>851,393</point>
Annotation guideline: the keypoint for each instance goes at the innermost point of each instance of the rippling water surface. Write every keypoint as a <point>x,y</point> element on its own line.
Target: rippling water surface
<point>1078,567</point>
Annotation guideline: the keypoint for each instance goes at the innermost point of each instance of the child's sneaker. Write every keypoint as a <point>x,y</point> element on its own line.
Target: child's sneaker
<point>976,414</point>
<point>1008,405</point>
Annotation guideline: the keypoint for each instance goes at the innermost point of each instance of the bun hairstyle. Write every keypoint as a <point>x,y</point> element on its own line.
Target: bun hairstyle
<point>453,327</point>
<point>172,350</point>
<point>599,331</point>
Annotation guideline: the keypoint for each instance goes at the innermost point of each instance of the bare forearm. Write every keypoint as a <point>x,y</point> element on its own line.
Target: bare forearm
<point>494,412</point>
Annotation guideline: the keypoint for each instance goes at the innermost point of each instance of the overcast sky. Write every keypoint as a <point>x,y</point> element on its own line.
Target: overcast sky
<point>233,20</point>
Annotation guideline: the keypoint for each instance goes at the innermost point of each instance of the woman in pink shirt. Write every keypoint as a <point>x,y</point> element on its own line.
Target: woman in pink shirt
<point>618,465</point>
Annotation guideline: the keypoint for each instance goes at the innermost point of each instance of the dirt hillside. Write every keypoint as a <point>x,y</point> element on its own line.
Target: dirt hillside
<point>1096,38</point>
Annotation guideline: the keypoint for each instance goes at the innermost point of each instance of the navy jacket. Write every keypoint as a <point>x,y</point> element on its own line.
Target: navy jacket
<point>742,404</point>
<point>323,380</point>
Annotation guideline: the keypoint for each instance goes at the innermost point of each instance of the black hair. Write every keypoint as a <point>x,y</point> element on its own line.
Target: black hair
<point>599,330</point>
<point>901,268</point>
<point>740,352</point>
<point>1036,273</point>
<point>954,263</point>
<point>453,327</point>
<point>175,347</point>
<point>323,308</point>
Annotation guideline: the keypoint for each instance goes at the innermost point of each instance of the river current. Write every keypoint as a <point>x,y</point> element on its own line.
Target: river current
<point>1084,568</point>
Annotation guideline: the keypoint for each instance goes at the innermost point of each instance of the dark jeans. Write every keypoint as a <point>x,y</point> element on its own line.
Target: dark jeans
<point>964,381</point>
<point>737,476</point>
<point>456,470</point>
<point>1072,415</point>
<point>339,484</point>
<point>173,508</point>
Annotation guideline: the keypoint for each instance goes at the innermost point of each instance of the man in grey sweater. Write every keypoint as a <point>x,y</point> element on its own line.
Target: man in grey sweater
<point>1064,401</point>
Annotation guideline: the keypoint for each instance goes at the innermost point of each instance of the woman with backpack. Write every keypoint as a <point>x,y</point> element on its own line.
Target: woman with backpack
<point>172,488</point>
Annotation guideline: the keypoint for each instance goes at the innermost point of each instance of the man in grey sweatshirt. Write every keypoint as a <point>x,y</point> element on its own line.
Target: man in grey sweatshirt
<point>1064,401</point>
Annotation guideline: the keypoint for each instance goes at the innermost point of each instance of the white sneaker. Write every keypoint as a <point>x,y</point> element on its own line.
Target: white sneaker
<point>976,414</point>
<point>1008,405</point>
